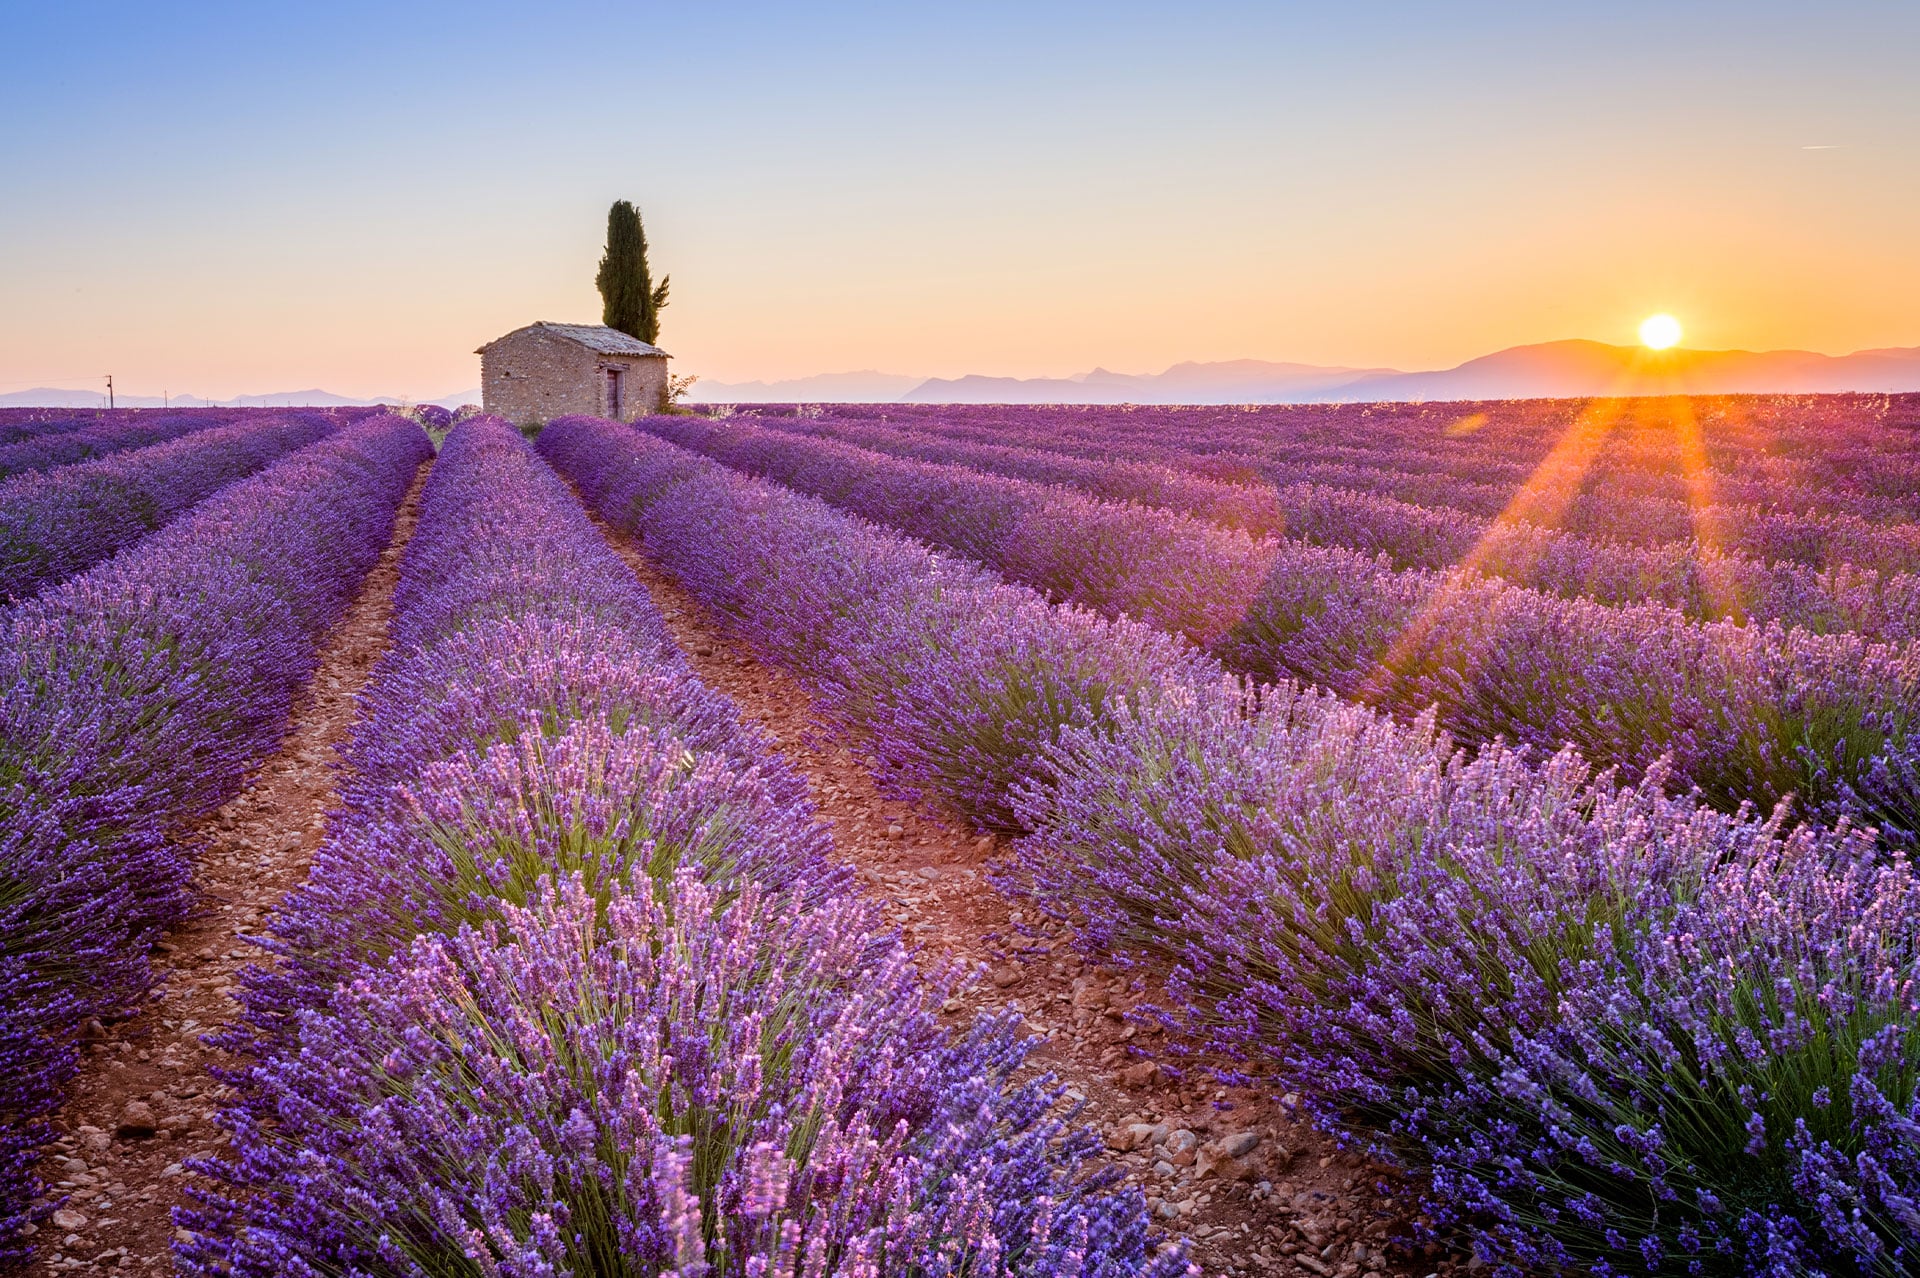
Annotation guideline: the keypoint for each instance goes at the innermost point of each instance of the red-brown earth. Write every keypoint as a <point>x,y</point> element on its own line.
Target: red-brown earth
<point>144,1102</point>
<point>1250,1190</point>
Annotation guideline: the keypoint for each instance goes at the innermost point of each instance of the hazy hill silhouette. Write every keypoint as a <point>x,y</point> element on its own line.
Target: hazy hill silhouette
<point>1585,369</point>
<point>1566,369</point>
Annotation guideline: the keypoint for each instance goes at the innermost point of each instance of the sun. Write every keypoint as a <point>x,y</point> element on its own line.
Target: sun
<point>1658,332</point>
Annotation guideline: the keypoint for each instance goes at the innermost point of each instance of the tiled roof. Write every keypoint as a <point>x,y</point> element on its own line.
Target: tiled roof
<point>597,337</point>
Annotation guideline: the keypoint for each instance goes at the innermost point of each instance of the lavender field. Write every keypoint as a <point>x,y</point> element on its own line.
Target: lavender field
<point>1517,799</point>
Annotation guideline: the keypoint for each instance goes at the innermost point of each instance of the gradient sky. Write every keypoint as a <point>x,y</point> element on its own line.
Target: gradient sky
<point>241,198</point>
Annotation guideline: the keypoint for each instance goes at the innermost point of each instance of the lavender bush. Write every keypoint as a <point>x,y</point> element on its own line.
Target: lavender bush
<point>64,521</point>
<point>528,696</point>
<point>871,628</point>
<point>104,434</point>
<point>433,416</point>
<point>606,1082</point>
<point>574,985</point>
<point>1746,713</point>
<point>1700,580</point>
<point>468,835</point>
<point>1614,1027</point>
<point>1619,1030</point>
<point>134,697</point>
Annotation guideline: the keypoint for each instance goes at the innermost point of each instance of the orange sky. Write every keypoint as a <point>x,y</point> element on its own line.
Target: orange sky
<point>1025,191</point>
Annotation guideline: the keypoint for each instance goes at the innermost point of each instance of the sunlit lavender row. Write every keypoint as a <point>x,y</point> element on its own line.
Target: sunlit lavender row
<point>1700,580</point>
<point>1616,1030</point>
<point>1744,713</point>
<point>1577,475</point>
<point>575,986</point>
<point>136,696</point>
<point>1647,464</point>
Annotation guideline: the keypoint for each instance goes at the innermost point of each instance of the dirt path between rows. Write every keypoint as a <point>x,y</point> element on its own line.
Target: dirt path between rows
<point>1252,1191</point>
<point>144,1101</point>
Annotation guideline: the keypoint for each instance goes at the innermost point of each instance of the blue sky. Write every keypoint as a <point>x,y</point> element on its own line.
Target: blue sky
<point>231,198</point>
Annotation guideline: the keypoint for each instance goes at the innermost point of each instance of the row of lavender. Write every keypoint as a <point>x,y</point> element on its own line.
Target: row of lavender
<point>1744,713</point>
<point>1851,454</point>
<point>17,424</point>
<point>133,698</point>
<point>1619,1031</point>
<point>1572,488</point>
<point>27,445</point>
<point>1797,451</point>
<point>116,432</point>
<point>1879,598</point>
<point>63,521</point>
<point>575,985</point>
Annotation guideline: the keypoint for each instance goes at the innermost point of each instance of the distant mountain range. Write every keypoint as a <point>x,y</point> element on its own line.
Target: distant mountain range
<point>54,397</point>
<point>1239,381</point>
<point>1569,369</point>
<point>864,387</point>
<point>1586,369</point>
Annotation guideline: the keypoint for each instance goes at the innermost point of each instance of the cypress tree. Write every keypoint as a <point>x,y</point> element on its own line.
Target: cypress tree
<point>630,301</point>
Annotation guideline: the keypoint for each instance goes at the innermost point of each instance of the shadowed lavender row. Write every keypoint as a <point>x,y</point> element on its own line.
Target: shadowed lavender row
<point>1698,580</point>
<point>136,696</point>
<point>17,424</point>
<point>75,440</point>
<point>114,432</point>
<point>575,986</point>
<point>1619,1030</point>
<point>64,521</point>
<point>1744,713</point>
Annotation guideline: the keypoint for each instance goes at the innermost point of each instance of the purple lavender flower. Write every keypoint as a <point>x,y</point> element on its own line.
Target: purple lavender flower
<point>64,521</point>
<point>1745,713</point>
<point>83,438</point>
<point>133,698</point>
<point>1576,1006</point>
<point>575,986</point>
<point>602,1081</point>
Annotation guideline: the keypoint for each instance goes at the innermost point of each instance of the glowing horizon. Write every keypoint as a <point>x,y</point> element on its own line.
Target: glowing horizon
<point>296,381</point>
<point>247,200</point>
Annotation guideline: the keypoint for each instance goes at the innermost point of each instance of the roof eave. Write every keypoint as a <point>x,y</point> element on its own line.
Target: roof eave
<point>557,329</point>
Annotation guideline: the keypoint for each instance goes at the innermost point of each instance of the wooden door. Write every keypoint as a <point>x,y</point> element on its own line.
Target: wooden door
<point>615,386</point>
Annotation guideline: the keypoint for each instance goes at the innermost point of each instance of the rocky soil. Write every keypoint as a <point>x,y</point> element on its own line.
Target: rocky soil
<point>144,1101</point>
<point>1252,1191</point>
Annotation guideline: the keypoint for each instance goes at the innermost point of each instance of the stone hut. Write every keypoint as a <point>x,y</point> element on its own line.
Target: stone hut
<point>544,370</point>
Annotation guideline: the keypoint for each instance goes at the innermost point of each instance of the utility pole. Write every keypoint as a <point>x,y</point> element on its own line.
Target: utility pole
<point>109,391</point>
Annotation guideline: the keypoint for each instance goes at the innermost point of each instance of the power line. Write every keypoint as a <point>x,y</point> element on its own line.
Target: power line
<point>71,377</point>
